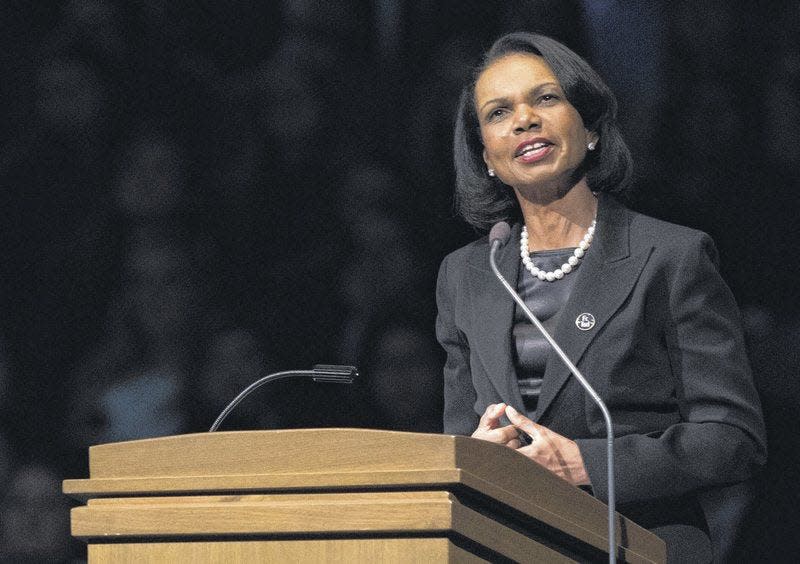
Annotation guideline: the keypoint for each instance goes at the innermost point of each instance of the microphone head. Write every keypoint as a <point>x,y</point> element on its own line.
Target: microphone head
<point>500,232</point>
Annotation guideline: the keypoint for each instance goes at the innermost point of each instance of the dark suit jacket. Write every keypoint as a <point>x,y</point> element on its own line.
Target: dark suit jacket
<point>666,354</point>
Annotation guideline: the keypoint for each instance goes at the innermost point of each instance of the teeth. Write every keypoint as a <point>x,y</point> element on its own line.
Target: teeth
<point>534,147</point>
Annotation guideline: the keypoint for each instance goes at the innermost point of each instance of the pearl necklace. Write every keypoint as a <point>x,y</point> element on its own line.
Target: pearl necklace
<point>567,267</point>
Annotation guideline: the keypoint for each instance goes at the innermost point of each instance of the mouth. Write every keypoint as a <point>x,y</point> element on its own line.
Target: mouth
<point>533,149</point>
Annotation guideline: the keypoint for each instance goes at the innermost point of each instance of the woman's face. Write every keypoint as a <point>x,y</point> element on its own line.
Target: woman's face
<point>532,136</point>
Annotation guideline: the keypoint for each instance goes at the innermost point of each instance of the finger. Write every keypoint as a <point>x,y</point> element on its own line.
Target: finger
<point>486,419</point>
<point>527,451</point>
<point>492,415</point>
<point>534,452</point>
<point>521,422</point>
<point>514,443</point>
<point>506,434</point>
<point>499,435</point>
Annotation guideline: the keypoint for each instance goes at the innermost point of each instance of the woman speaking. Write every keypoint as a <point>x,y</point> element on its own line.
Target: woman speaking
<point>637,304</point>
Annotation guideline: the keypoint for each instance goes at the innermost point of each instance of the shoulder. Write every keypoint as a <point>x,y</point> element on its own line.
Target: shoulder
<point>668,240</point>
<point>660,231</point>
<point>455,263</point>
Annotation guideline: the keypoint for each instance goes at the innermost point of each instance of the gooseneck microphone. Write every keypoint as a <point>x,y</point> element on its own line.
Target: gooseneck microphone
<point>330,373</point>
<point>498,237</point>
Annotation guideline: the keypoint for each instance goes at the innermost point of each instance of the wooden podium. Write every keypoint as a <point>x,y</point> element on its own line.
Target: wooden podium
<point>336,495</point>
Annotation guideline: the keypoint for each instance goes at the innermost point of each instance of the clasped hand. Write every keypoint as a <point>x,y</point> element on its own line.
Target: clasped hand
<point>555,452</point>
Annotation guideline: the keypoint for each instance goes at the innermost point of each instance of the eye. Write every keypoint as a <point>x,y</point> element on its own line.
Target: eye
<point>548,98</point>
<point>495,114</point>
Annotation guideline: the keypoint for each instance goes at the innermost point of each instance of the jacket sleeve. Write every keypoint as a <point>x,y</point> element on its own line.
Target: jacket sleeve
<point>720,438</point>
<point>459,394</point>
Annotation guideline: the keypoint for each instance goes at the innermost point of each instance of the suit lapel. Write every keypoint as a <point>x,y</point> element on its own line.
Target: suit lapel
<point>493,315</point>
<point>605,279</point>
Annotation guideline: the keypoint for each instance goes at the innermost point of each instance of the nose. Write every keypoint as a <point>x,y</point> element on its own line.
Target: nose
<point>525,119</point>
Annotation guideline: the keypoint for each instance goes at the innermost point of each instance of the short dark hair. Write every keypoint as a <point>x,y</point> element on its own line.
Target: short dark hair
<point>482,201</point>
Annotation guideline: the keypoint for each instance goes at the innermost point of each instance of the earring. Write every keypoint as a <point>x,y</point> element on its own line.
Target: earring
<point>491,173</point>
<point>591,145</point>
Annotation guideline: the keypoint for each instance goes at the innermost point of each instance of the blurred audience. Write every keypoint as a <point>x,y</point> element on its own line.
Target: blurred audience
<point>378,280</point>
<point>151,178</point>
<point>404,379</point>
<point>34,517</point>
<point>234,360</point>
<point>133,384</point>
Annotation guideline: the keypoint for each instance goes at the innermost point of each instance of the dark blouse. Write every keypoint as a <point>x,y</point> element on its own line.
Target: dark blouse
<point>546,300</point>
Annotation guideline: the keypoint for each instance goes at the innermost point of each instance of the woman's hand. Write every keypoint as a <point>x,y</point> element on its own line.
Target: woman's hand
<point>551,450</point>
<point>489,428</point>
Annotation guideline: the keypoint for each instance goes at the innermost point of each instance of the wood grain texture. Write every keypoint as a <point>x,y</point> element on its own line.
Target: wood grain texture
<point>258,452</point>
<point>84,489</point>
<point>340,551</point>
<point>382,513</point>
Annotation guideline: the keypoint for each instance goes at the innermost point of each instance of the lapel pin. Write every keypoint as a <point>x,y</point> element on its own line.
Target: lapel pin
<point>585,321</point>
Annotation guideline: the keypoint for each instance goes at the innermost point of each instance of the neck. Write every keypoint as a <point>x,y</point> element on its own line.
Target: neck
<point>560,222</point>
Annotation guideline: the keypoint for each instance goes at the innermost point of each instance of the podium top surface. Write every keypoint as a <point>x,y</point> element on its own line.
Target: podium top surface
<point>290,450</point>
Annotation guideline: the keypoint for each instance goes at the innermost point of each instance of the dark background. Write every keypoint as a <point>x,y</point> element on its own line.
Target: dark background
<point>190,193</point>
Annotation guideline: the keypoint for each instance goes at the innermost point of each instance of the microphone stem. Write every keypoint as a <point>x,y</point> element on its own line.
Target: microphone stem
<point>612,539</point>
<point>257,384</point>
<point>330,373</point>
